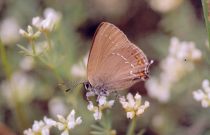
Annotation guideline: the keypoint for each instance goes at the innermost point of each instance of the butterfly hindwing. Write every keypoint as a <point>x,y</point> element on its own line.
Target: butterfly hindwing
<point>114,61</point>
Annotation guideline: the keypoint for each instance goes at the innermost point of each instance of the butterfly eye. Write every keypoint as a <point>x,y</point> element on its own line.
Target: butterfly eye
<point>87,86</point>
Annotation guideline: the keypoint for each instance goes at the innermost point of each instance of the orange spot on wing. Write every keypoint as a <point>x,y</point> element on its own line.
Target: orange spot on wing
<point>141,74</point>
<point>139,60</point>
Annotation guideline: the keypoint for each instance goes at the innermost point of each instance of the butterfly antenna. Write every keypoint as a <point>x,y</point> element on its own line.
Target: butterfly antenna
<point>62,84</point>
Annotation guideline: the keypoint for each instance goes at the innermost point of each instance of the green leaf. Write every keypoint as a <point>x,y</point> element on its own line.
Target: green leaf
<point>24,49</point>
<point>97,127</point>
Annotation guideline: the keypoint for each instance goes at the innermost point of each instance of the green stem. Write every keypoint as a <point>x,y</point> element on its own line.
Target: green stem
<point>20,116</point>
<point>4,60</point>
<point>18,108</point>
<point>48,39</point>
<point>52,68</point>
<point>33,46</point>
<point>132,127</point>
<point>205,12</point>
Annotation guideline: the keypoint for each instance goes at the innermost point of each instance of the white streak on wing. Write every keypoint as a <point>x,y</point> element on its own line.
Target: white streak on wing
<point>123,58</point>
<point>126,61</point>
<point>132,66</point>
<point>131,73</point>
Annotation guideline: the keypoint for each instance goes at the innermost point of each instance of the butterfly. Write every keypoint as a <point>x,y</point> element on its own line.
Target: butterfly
<point>114,62</point>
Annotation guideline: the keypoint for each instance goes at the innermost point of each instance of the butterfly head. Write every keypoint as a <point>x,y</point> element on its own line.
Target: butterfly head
<point>98,90</point>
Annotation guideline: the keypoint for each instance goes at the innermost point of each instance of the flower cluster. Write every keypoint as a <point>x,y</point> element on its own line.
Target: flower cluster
<point>49,22</point>
<point>184,50</point>
<point>103,103</point>
<point>203,95</point>
<point>180,61</point>
<point>18,88</point>
<point>29,33</point>
<point>42,127</point>
<point>44,26</point>
<point>67,124</point>
<point>133,105</point>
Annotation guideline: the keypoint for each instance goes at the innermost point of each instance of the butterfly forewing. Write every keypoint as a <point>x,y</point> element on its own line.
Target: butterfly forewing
<point>114,61</point>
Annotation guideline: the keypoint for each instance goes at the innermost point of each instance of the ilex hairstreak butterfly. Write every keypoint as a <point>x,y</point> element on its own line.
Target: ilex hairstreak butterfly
<point>114,62</point>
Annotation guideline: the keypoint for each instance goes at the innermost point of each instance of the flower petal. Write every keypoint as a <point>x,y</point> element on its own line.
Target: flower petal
<point>71,116</point>
<point>130,115</point>
<point>65,132</point>
<point>49,122</point>
<point>78,120</point>
<point>60,126</point>
<point>61,118</point>
<point>97,115</point>
<point>90,106</point>
<point>102,100</point>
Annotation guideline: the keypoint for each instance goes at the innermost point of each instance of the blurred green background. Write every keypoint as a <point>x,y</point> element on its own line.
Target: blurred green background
<point>150,24</point>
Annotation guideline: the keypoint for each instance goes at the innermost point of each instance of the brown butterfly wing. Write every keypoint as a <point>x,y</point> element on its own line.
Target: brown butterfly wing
<point>114,61</point>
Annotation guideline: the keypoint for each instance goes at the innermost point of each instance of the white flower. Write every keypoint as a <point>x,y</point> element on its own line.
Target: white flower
<point>174,69</point>
<point>97,115</point>
<point>19,87</point>
<point>103,104</point>
<point>57,106</point>
<point>9,31</point>
<point>79,69</point>
<point>176,65</point>
<point>67,124</point>
<point>184,50</point>
<point>133,105</point>
<point>164,6</point>
<point>30,33</point>
<point>102,101</point>
<point>52,14</point>
<point>51,19</point>
<point>205,85</point>
<point>198,95</point>
<point>203,95</point>
<point>158,89</point>
<point>39,127</point>
<point>27,63</point>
